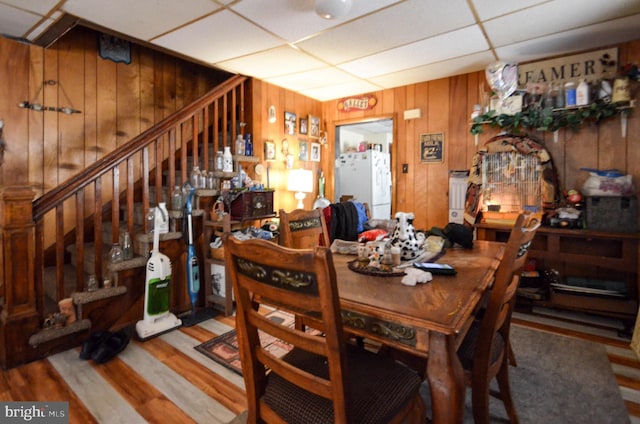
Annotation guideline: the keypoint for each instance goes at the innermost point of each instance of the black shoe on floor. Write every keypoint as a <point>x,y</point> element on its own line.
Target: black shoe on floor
<point>110,347</point>
<point>93,342</point>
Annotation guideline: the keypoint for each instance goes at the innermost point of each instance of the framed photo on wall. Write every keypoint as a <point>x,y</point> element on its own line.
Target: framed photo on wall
<point>304,125</point>
<point>431,147</point>
<point>303,150</point>
<point>290,122</point>
<point>314,127</point>
<point>315,152</point>
<point>269,150</point>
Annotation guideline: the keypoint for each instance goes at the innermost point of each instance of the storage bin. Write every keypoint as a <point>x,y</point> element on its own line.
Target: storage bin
<point>614,214</point>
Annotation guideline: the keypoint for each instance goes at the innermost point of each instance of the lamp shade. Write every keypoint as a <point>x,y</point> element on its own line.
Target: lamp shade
<point>300,180</point>
<point>331,9</point>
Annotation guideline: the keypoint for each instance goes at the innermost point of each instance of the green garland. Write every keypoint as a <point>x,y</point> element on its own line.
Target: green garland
<point>549,119</point>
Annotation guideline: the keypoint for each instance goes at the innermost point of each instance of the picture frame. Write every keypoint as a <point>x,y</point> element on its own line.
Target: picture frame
<point>269,150</point>
<point>290,122</point>
<point>431,147</point>
<point>315,152</point>
<point>314,127</point>
<point>303,150</point>
<point>304,125</point>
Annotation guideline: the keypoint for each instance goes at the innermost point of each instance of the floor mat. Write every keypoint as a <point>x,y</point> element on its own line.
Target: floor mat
<point>224,348</point>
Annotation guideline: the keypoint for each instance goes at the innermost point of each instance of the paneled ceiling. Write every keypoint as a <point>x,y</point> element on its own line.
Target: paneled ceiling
<point>379,44</point>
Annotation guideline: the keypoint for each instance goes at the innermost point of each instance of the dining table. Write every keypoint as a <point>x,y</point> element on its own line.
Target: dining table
<point>429,320</point>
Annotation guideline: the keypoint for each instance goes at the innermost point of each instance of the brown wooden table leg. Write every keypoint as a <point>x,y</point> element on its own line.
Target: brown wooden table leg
<point>446,379</point>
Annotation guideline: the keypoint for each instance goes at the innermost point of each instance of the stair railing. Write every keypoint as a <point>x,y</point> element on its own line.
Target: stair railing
<point>74,212</point>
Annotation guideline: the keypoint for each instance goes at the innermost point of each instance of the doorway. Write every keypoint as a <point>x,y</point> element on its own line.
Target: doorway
<point>363,158</point>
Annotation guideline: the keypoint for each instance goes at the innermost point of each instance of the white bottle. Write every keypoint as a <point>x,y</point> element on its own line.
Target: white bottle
<point>582,94</point>
<point>227,160</point>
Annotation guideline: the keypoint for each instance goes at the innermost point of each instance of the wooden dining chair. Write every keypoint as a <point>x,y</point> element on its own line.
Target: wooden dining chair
<point>303,229</point>
<point>322,379</point>
<point>484,352</point>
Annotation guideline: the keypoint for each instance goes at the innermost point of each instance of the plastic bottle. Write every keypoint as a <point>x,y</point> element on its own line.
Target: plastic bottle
<point>92,283</point>
<point>127,248</point>
<point>248,145</point>
<point>228,160</point>
<point>151,217</point>
<point>239,145</point>
<point>203,179</point>
<point>557,95</point>
<point>195,177</point>
<point>115,255</point>
<point>210,181</point>
<point>582,94</point>
<point>176,199</point>
<point>219,161</point>
<point>570,94</point>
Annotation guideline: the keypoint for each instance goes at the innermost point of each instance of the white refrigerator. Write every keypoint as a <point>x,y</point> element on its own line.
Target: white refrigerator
<point>367,177</point>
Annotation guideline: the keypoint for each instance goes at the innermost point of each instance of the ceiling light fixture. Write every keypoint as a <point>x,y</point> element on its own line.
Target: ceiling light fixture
<point>331,9</point>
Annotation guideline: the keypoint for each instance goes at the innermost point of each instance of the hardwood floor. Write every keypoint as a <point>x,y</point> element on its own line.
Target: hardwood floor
<point>165,380</point>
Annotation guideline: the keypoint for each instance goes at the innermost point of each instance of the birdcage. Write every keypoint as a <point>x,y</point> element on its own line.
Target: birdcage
<point>511,183</point>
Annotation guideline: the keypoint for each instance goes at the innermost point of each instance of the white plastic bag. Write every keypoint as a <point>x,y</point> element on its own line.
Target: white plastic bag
<point>608,184</point>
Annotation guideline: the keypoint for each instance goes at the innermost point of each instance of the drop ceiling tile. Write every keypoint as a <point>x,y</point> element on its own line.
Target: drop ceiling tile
<point>219,37</point>
<point>488,9</point>
<point>401,24</point>
<point>41,7</point>
<point>461,65</point>
<point>553,17</point>
<point>16,22</point>
<point>338,91</point>
<point>270,63</point>
<point>301,20</point>
<point>142,19</point>
<point>450,45</point>
<point>587,38</point>
<point>312,79</point>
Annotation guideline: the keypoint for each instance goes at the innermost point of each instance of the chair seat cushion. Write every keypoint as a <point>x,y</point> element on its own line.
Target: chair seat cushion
<point>468,347</point>
<point>378,388</point>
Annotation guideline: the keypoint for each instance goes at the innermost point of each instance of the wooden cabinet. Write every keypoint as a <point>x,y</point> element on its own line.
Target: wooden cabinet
<point>584,255</point>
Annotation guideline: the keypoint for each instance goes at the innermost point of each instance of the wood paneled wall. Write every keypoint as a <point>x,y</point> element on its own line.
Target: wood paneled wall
<point>446,106</point>
<point>118,101</point>
<point>264,96</point>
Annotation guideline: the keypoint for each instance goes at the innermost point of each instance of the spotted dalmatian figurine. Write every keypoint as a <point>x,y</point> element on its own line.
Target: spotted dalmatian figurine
<point>405,237</point>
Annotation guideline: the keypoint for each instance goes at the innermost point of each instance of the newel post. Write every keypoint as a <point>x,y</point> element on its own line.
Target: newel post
<point>18,316</point>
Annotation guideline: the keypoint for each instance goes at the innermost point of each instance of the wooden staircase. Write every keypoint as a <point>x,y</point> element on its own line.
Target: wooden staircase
<point>52,244</point>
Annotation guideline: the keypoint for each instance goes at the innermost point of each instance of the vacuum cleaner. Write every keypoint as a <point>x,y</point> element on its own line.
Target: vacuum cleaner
<point>193,269</point>
<point>157,317</point>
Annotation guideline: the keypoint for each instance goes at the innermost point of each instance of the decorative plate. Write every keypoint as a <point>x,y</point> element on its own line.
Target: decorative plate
<point>362,268</point>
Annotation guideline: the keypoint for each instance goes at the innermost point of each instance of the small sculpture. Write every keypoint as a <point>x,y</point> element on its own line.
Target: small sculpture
<point>68,309</point>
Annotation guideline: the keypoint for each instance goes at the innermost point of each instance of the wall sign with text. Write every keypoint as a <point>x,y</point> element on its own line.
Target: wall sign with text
<point>431,147</point>
<point>357,103</point>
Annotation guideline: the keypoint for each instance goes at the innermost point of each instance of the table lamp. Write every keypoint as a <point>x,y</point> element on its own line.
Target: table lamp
<point>300,181</point>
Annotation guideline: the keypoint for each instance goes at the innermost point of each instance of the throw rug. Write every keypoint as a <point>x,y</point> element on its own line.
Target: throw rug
<point>557,380</point>
<point>224,348</point>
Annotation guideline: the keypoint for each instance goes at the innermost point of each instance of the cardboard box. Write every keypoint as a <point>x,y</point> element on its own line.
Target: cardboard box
<point>613,214</point>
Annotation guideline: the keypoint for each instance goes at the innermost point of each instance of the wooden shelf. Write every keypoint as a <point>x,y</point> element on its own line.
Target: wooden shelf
<point>583,254</point>
<point>548,119</point>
